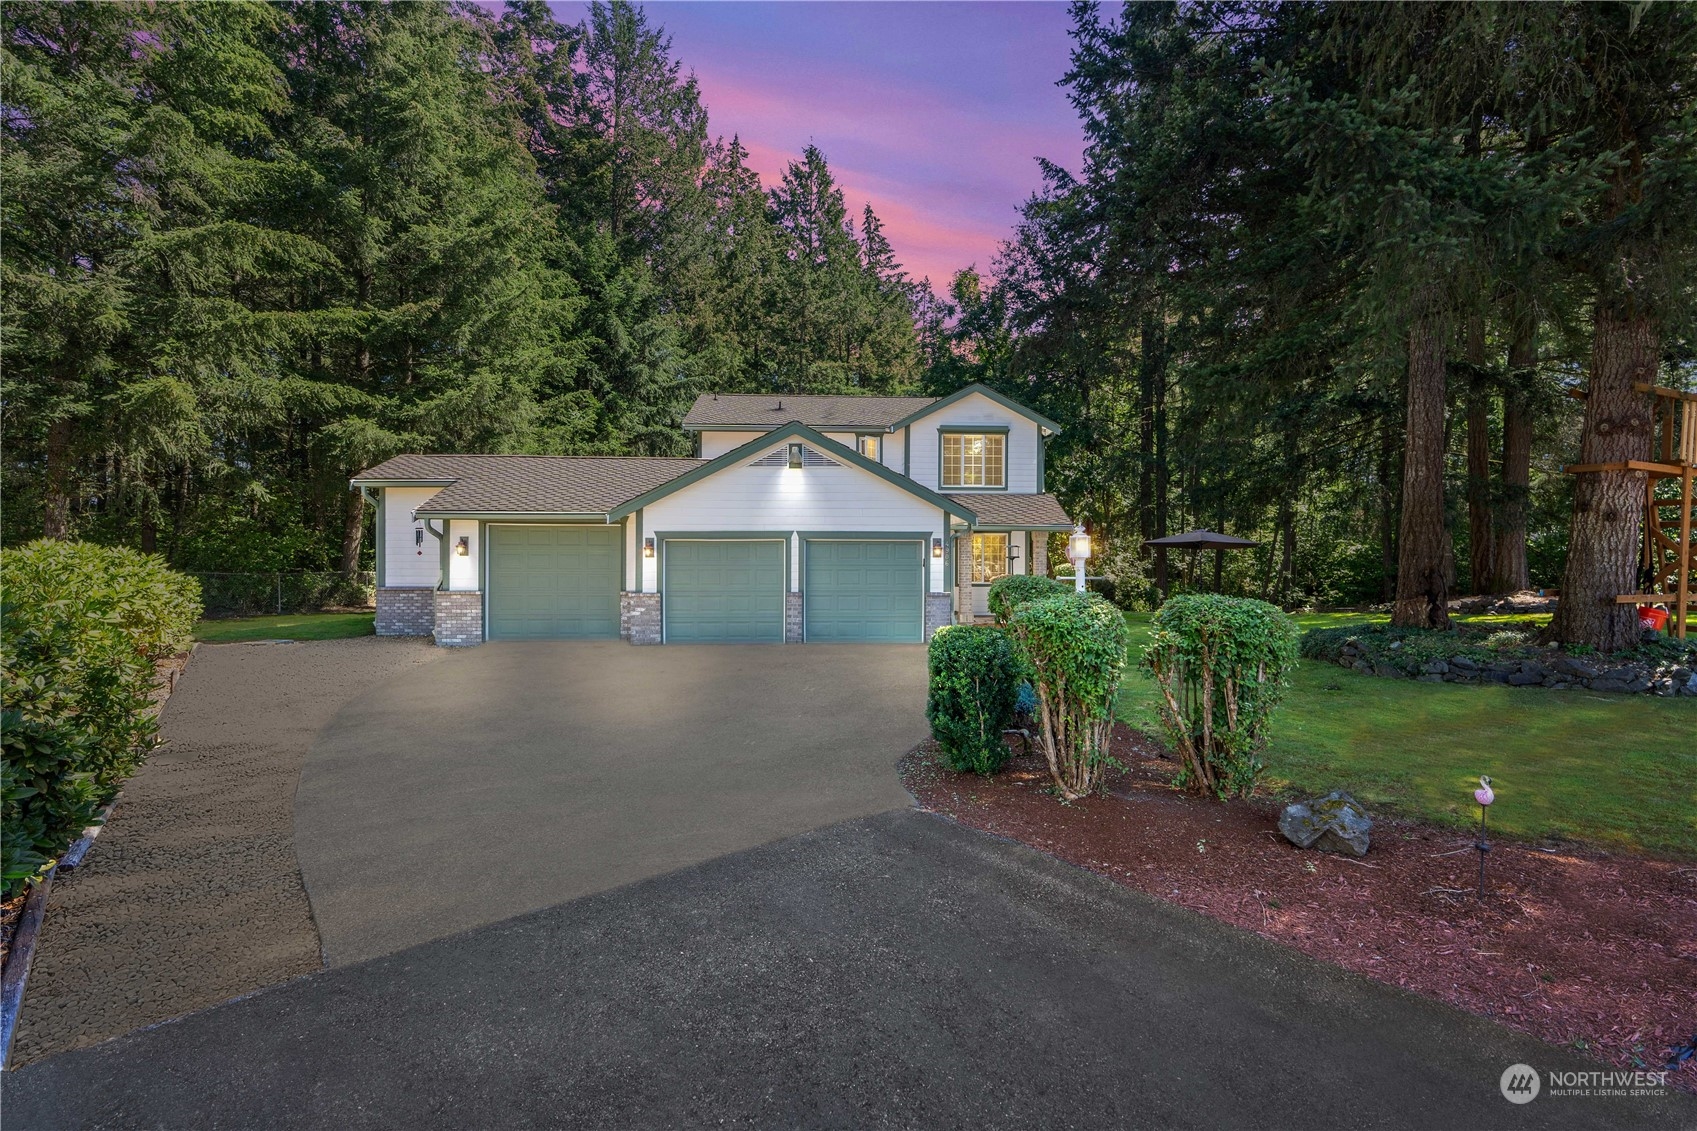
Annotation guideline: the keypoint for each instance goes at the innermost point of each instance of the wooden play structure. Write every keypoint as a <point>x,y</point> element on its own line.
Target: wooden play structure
<point>1667,555</point>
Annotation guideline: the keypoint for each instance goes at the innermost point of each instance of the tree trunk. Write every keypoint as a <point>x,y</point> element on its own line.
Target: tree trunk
<point>1163,488</point>
<point>353,531</point>
<point>1278,592</point>
<point>1422,597</point>
<point>1608,506</point>
<point>1508,557</point>
<point>1387,516</point>
<point>56,490</point>
<point>1481,542</point>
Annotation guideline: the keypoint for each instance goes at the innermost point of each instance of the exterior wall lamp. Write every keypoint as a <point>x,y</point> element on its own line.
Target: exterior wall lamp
<point>1078,549</point>
<point>795,456</point>
<point>462,548</point>
<point>936,547</point>
<point>648,547</point>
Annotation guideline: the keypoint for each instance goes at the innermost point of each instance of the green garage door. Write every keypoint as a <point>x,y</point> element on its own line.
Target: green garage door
<point>867,591</point>
<point>553,582</point>
<point>724,592</point>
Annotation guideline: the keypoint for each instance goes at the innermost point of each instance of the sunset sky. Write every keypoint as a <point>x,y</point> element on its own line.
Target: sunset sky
<point>934,112</point>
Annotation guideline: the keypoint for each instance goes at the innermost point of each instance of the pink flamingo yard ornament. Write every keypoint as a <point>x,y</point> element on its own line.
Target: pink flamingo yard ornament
<point>1484,796</point>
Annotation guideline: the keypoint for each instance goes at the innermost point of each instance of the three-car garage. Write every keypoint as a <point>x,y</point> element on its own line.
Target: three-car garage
<point>551,582</point>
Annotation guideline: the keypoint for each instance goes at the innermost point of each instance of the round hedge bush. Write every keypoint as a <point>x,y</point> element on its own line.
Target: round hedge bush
<point>1075,645</point>
<point>1010,592</point>
<point>974,689</point>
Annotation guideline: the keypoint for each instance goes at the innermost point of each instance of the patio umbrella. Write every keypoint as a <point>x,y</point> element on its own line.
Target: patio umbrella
<point>1194,540</point>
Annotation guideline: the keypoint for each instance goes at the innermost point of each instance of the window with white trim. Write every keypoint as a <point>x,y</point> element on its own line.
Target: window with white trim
<point>974,459</point>
<point>868,446</point>
<point>989,557</point>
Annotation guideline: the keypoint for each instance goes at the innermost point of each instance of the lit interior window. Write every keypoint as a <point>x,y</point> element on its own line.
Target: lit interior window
<point>973,459</point>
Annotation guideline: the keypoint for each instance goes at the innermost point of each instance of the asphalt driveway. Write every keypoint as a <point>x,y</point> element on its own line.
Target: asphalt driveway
<point>894,971</point>
<point>512,777</point>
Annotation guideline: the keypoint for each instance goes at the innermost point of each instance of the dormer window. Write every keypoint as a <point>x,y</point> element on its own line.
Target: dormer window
<point>974,459</point>
<point>868,447</point>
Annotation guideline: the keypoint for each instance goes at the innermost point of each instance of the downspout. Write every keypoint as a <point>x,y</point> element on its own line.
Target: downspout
<point>442,554</point>
<point>381,549</point>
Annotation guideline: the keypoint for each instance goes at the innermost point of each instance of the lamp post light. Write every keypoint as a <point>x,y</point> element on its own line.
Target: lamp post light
<point>1078,552</point>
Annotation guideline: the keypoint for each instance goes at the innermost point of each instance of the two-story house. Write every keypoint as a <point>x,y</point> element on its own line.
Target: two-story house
<point>802,518</point>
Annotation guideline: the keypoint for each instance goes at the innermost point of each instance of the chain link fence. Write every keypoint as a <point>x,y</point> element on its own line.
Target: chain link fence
<point>289,591</point>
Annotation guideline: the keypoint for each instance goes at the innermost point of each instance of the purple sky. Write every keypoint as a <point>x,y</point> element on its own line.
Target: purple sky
<point>933,112</point>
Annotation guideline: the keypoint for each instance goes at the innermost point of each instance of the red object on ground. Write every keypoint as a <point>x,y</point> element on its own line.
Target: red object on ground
<point>1652,618</point>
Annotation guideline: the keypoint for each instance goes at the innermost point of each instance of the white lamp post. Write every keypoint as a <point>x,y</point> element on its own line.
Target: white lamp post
<point>1078,552</point>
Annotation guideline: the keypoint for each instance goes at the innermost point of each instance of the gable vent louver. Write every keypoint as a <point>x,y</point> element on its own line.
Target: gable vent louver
<point>780,457</point>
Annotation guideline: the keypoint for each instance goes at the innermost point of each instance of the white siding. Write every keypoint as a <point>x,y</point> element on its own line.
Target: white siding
<point>893,451</point>
<point>407,565</point>
<point>1023,438</point>
<point>718,443</point>
<point>462,572</point>
<point>836,499</point>
<point>633,552</point>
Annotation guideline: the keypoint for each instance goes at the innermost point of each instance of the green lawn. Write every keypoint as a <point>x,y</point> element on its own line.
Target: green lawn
<point>301,626</point>
<point>1619,771</point>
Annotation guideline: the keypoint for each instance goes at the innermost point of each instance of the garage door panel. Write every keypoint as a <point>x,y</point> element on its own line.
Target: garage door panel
<point>724,591</point>
<point>864,591</point>
<point>553,582</point>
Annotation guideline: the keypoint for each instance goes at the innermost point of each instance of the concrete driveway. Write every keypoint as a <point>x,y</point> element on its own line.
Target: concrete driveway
<point>511,777</point>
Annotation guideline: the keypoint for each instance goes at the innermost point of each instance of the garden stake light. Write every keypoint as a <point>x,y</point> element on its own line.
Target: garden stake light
<point>1484,797</point>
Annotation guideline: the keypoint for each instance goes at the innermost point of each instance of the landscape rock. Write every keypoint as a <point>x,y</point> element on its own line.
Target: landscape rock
<point>1333,823</point>
<point>1464,663</point>
<point>1577,669</point>
<point>1434,667</point>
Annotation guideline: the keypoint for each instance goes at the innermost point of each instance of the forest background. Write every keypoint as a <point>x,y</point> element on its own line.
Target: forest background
<point>1331,277</point>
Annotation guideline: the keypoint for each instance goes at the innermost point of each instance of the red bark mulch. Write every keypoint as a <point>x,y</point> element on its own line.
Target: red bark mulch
<point>1578,947</point>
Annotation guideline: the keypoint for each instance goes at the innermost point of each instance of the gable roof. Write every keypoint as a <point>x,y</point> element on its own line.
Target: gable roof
<point>961,394</point>
<point>793,430</point>
<point>737,411</point>
<point>514,485</point>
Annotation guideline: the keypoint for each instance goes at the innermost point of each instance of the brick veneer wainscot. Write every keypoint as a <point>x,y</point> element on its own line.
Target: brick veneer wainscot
<point>639,617</point>
<point>937,613</point>
<point>459,619</point>
<point>792,618</point>
<point>406,612</point>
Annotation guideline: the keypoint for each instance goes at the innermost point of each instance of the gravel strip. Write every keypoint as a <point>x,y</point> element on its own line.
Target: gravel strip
<point>193,895</point>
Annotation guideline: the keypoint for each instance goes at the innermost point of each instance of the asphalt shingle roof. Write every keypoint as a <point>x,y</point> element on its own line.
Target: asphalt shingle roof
<point>1029,511</point>
<point>760,411</point>
<point>532,484</point>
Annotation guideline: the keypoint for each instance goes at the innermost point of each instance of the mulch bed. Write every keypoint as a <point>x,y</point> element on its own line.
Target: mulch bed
<point>1575,946</point>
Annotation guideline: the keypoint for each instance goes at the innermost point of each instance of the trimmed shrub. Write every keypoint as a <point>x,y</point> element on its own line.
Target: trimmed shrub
<point>1075,645</point>
<point>974,689</point>
<point>1223,664</point>
<point>1008,593</point>
<point>81,627</point>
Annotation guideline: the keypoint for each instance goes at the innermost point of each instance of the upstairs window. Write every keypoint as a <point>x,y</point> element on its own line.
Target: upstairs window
<point>974,459</point>
<point>868,446</point>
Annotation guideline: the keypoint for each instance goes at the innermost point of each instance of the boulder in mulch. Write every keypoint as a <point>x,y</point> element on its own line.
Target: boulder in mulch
<point>1333,823</point>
